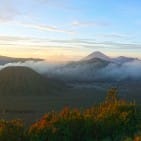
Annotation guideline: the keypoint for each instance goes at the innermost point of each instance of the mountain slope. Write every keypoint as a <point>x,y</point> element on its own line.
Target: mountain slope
<point>123,59</point>
<point>102,56</point>
<point>83,70</point>
<point>5,59</point>
<point>99,67</point>
<point>97,54</point>
<point>25,81</point>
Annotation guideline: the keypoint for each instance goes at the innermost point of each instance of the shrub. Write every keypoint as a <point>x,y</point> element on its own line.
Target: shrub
<point>114,119</point>
<point>11,130</point>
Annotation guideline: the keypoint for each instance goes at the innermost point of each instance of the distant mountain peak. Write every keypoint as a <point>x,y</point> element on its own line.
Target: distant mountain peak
<point>97,54</point>
<point>123,59</point>
<point>5,60</point>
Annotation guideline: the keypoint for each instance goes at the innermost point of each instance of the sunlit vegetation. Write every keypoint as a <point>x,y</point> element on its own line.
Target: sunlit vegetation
<point>12,130</point>
<point>112,120</point>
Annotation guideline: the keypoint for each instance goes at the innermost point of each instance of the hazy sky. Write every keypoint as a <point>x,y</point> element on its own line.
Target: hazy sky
<point>69,29</point>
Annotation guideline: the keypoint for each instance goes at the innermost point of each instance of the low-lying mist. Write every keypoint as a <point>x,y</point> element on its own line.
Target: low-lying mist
<point>85,72</point>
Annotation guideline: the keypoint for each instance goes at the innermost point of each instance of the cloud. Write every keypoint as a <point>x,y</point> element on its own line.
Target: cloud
<point>120,45</point>
<point>8,11</point>
<point>39,66</point>
<point>14,38</point>
<point>129,70</point>
<point>94,44</point>
<point>91,44</point>
<point>14,41</point>
<point>91,72</point>
<point>115,35</point>
<point>85,72</point>
<point>34,42</point>
<point>89,23</point>
<point>45,27</point>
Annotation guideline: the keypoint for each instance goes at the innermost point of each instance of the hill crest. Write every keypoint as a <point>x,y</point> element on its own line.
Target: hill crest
<point>19,80</point>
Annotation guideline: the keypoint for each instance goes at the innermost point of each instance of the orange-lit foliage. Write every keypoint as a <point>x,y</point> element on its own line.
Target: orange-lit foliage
<point>11,130</point>
<point>112,119</point>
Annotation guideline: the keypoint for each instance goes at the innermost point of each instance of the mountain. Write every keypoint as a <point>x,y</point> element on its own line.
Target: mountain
<point>99,67</point>
<point>5,59</point>
<point>95,62</point>
<point>102,56</point>
<point>83,70</point>
<point>123,59</point>
<point>97,54</point>
<point>25,81</point>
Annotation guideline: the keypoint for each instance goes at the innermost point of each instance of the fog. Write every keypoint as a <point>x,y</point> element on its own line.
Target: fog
<point>92,72</point>
<point>85,72</point>
<point>129,70</point>
<point>39,66</point>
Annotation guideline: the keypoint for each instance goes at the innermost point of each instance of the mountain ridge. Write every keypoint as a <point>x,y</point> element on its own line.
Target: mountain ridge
<point>20,80</point>
<point>5,59</point>
<point>97,54</point>
<point>102,56</point>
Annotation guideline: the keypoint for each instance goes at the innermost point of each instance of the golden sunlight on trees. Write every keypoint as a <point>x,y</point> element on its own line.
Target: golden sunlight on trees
<point>112,120</point>
<point>11,130</point>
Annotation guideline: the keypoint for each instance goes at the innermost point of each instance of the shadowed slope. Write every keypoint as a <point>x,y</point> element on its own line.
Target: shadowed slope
<point>25,81</point>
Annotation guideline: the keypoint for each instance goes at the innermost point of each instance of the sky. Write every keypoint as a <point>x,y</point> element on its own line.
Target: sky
<point>62,30</point>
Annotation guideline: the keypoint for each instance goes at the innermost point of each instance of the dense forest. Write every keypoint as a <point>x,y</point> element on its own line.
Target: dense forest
<point>112,120</point>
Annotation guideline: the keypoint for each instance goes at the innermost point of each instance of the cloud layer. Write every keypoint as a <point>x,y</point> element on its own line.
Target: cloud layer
<point>86,72</point>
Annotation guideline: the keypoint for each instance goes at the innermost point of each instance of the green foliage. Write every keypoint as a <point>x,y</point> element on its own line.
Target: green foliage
<point>11,130</point>
<point>112,120</point>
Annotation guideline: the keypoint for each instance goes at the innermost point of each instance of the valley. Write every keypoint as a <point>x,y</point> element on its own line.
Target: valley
<point>28,94</point>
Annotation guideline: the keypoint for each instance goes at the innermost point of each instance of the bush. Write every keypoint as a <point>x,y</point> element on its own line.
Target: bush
<point>112,119</point>
<point>11,130</point>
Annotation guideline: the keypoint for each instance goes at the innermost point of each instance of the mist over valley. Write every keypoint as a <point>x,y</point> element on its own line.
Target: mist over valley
<point>95,72</point>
